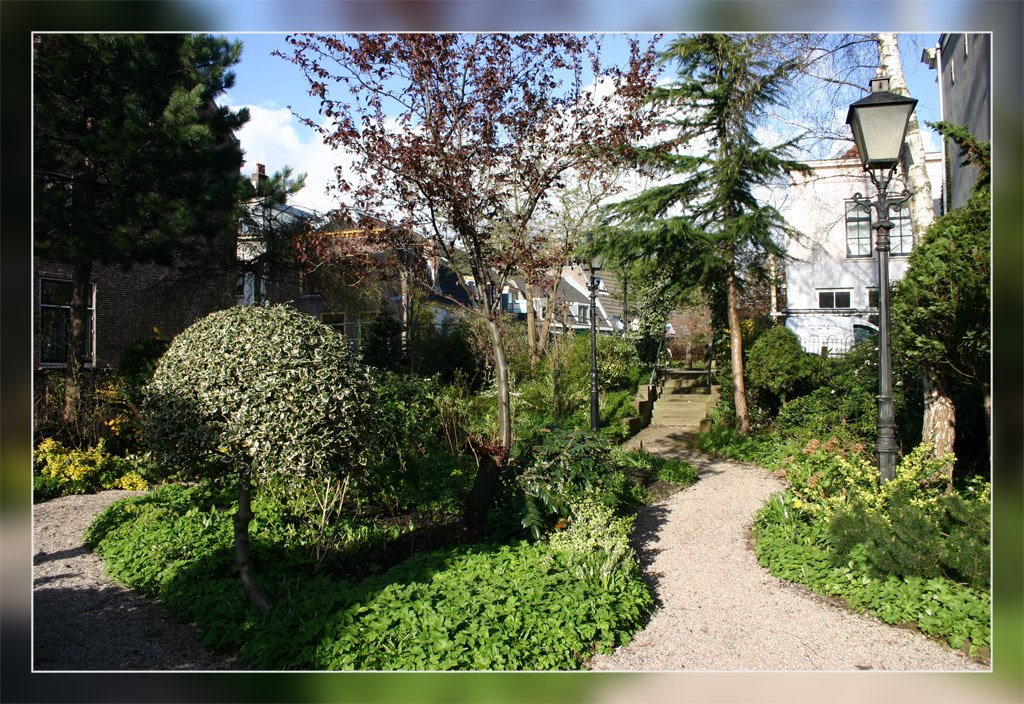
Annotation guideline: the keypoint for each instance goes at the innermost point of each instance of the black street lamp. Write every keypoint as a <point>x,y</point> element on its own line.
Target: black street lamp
<point>879,124</point>
<point>596,262</point>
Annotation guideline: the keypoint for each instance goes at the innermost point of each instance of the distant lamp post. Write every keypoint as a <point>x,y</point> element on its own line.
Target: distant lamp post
<point>879,123</point>
<point>596,263</point>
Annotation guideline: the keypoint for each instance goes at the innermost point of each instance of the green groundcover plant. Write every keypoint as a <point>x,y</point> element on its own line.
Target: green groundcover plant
<point>519,606</point>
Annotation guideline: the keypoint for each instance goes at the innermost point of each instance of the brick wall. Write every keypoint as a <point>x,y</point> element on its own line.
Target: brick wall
<point>135,303</point>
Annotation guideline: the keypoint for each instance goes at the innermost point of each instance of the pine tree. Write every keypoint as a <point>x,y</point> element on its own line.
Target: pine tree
<point>707,226</point>
<point>134,162</point>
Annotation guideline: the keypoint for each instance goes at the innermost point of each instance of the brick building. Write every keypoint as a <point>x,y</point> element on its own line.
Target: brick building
<point>145,301</point>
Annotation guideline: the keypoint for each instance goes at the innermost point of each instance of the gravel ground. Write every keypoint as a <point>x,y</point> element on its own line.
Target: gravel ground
<point>83,620</point>
<point>717,609</point>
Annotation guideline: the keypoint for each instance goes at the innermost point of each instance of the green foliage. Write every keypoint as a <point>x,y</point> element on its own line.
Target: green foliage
<point>267,390</point>
<point>778,367</point>
<point>767,450</point>
<point>566,465</point>
<point>469,609</point>
<point>827,411</point>
<point>59,471</point>
<point>908,550</point>
<point>134,162</point>
<point>795,551</point>
<point>596,543</point>
<point>136,365</point>
<point>475,607</point>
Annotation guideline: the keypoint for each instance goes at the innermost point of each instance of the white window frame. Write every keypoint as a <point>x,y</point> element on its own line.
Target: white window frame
<point>582,313</point>
<point>901,237</point>
<point>861,238</point>
<point>90,323</point>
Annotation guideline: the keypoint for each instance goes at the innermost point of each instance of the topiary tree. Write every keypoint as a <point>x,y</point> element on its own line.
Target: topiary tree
<point>259,392</point>
<point>777,363</point>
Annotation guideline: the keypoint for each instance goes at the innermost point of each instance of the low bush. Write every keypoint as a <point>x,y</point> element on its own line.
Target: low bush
<point>60,471</point>
<point>909,550</point>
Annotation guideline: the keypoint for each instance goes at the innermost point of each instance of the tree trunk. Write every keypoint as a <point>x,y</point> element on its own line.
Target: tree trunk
<point>480,498</point>
<point>501,377</point>
<point>939,418</point>
<point>81,292</point>
<point>532,338</point>
<point>912,158</point>
<point>736,344</point>
<point>242,558</point>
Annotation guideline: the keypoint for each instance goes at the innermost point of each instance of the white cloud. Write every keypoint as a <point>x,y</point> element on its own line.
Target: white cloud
<point>275,138</point>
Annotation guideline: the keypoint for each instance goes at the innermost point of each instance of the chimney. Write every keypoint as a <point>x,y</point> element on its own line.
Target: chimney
<point>260,175</point>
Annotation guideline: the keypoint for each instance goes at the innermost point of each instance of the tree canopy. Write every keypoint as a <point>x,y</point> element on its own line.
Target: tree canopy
<point>705,223</point>
<point>133,159</point>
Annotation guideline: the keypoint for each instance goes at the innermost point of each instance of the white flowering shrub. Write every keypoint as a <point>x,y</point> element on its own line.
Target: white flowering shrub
<point>596,543</point>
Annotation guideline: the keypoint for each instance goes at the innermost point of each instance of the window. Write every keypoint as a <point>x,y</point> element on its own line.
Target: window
<point>834,299</point>
<point>582,313</point>
<point>901,237</point>
<point>55,322</point>
<point>858,230</point>
<point>334,320</point>
<point>873,298</point>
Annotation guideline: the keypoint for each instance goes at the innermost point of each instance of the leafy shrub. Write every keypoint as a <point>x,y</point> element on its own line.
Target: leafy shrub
<point>904,549</point>
<point>778,369</point>
<point>797,551</point>
<point>826,412</point>
<point>596,543</point>
<point>265,388</point>
<point>135,368</point>
<point>767,450</point>
<point>564,466</point>
<point>655,467</point>
<point>260,393</point>
<point>60,471</point>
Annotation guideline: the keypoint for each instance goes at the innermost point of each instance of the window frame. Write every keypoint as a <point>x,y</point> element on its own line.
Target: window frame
<point>864,241</point>
<point>902,232</point>
<point>90,324</point>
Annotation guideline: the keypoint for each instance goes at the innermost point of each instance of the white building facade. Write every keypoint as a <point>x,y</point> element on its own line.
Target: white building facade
<point>832,266</point>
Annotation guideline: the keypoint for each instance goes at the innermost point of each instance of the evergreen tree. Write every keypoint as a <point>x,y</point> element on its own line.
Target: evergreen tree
<point>134,162</point>
<point>268,228</point>
<point>707,225</point>
<point>942,305</point>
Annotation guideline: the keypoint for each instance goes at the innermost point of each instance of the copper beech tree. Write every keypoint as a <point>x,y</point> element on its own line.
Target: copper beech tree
<point>457,142</point>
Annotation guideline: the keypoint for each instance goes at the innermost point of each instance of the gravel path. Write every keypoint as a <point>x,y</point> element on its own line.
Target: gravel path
<point>83,620</point>
<point>719,610</point>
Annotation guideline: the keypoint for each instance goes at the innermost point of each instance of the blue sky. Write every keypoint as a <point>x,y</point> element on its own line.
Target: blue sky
<point>268,85</point>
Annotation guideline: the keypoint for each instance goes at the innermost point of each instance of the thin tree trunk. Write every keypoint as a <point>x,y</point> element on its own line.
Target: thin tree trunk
<point>490,459</point>
<point>242,558</point>
<point>532,338</point>
<point>736,344</point>
<point>81,291</point>
<point>501,374</point>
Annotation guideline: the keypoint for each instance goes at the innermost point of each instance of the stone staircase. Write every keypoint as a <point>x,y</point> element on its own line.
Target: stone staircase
<point>684,399</point>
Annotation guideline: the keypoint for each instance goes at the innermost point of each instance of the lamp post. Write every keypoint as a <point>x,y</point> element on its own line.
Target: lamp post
<point>879,123</point>
<point>596,262</point>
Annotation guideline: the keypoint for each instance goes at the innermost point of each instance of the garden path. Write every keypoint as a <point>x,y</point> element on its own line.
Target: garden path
<point>719,610</point>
